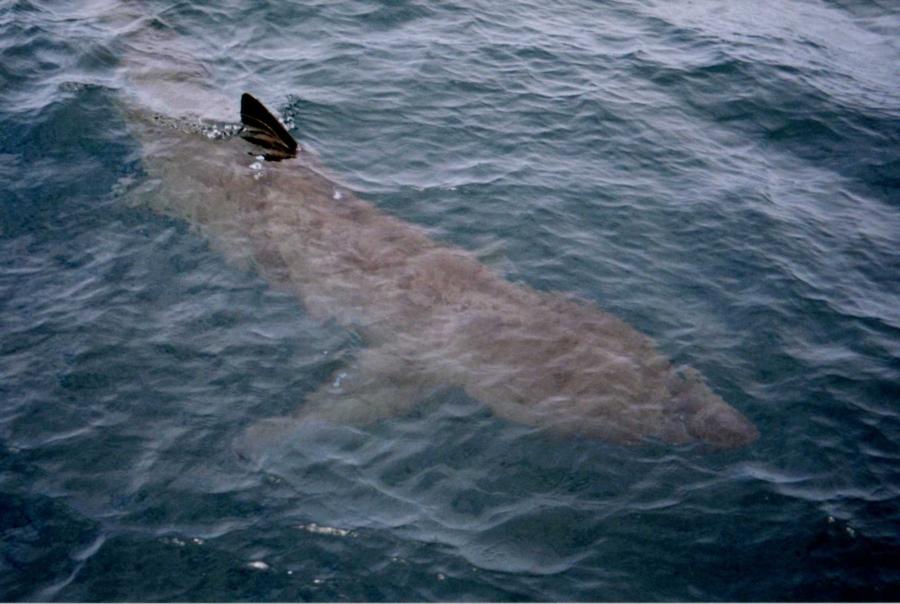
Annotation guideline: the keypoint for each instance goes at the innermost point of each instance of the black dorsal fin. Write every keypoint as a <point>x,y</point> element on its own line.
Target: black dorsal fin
<point>263,129</point>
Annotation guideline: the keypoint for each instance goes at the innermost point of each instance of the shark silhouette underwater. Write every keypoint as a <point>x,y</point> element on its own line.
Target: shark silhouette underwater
<point>431,315</point>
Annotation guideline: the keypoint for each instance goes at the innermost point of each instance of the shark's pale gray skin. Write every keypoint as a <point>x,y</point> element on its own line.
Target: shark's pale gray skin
<point>431,314</point>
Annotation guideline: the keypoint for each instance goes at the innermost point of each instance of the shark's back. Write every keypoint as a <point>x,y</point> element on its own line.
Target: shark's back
<point>431,314</point>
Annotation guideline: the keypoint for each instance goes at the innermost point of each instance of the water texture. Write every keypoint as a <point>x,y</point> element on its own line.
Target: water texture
<point>723,176</point>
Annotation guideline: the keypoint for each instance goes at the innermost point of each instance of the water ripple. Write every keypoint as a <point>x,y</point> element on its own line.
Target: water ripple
<point>722,178</point>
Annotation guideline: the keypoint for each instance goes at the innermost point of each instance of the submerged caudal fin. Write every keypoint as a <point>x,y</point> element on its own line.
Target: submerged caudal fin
<point>263,129</point>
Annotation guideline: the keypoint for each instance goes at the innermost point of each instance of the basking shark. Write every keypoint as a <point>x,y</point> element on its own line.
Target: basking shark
<point>431,315</point>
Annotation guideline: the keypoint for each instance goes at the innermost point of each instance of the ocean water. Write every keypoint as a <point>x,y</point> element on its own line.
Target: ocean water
<point>725,176</point>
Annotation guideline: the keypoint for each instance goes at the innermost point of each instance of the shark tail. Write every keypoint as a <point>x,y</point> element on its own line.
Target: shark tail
<point>263,129</point>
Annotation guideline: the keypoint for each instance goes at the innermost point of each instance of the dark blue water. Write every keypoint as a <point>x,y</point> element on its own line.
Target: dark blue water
<point>723,176</point>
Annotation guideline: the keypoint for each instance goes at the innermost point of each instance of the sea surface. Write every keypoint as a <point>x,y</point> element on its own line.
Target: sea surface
<point>724,176</point>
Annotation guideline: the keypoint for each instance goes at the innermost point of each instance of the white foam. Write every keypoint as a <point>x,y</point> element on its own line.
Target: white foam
<point>312,527</point>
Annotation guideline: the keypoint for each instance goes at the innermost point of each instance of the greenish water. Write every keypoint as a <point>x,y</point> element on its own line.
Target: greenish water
<point>724,177</point>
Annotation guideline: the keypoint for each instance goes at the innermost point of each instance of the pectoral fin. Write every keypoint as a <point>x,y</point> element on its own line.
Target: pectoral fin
<point>381,383</point>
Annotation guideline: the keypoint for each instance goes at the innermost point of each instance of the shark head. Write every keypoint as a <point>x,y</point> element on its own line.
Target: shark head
<point>697,414</point>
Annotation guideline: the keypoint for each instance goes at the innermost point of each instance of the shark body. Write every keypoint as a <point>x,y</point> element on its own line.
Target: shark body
<point>431,315</point>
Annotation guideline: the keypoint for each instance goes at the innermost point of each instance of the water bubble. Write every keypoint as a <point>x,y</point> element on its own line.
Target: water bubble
<point>338,379</point>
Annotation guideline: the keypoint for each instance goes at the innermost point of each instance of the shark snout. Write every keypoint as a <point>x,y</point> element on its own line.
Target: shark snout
<point>722,426</point>
<point>696,413</point>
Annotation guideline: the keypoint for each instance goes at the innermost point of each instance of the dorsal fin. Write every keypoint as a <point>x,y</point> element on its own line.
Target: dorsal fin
<point>263,129</point>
